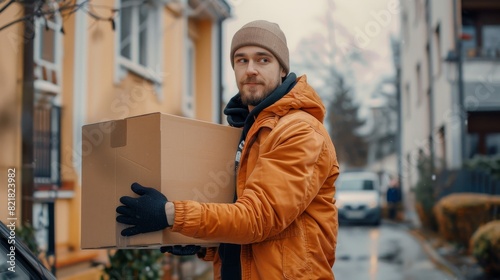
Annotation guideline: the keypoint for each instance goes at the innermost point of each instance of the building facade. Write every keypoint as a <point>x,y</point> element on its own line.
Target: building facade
<point>154,56</point>
<point>450,83</point>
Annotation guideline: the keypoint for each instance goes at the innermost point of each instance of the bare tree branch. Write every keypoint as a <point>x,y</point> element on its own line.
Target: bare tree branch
<point>6,5</point>
<point>14,22</point>
<point>45,9</point>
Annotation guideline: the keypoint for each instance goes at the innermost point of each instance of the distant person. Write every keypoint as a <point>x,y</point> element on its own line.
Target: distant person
<point>394,198</point>
<point>283,223</point>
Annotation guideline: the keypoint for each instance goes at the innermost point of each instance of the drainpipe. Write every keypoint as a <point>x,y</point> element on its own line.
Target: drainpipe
<point>431,84</point>
<point>221,57</point>
<point>460,82</point>
<point>399,141</point>
<point>27,112</point>
<point>220,87</point>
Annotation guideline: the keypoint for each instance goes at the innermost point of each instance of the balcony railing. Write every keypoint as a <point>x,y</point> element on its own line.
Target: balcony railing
<point>466,180</point>
<point>47,135</point>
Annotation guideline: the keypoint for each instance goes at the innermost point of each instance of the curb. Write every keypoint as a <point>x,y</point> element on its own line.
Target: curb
<point>433,255</point>
<point>436,258</point>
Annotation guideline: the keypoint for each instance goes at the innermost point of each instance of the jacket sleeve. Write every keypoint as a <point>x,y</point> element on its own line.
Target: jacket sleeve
<point>282,184</point>
<point>209,254</point>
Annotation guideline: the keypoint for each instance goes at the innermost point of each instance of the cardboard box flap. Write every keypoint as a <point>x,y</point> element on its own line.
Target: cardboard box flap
<point>119,134</point>
<point>138,161</point>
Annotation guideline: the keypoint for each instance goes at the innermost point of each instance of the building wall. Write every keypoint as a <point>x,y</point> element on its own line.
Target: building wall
<point>416,129</point>
<point>446,114</point>
<point>423,46</point>
<point>67,209</point>
<point>11,44</point>
<point>101,97</point>
<point>108,99</point>
<point>205,54</point>
<point>414,101</point>
<point>67,98</point>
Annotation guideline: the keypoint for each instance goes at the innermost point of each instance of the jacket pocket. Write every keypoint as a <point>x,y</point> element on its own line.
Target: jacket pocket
<point>295,264</point>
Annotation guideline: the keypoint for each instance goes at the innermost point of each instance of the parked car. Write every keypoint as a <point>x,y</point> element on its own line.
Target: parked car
<point>359,197</point>
<point>17,261</point>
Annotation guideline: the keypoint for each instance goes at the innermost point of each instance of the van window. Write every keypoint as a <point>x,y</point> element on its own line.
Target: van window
<point>355,185</point>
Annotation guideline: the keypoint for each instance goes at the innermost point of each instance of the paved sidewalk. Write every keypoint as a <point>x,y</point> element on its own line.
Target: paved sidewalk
<point>456,262</point>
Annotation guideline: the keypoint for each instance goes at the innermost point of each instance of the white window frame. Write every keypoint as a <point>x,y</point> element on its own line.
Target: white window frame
<point>54,68</point>
<point>189,96</point>
<point>153,70</point>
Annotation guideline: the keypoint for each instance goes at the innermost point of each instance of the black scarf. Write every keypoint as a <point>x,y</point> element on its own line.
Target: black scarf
<point>239,116</point>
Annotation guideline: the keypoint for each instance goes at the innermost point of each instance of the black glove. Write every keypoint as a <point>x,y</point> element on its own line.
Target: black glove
<point>180,250</point>
<point>146,213</point>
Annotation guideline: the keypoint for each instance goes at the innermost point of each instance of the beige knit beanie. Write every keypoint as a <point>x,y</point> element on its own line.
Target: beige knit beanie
<point>262,34</point>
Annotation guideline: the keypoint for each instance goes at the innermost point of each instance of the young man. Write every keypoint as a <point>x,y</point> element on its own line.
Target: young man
<point>283,223</point>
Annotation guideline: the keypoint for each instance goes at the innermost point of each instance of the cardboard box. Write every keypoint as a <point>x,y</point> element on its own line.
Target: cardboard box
<point>185,159</point>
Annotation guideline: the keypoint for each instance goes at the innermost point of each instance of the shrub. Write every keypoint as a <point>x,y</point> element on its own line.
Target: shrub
<point>424,193</point>
<point>27,235</point>
<point>485,247</point>
<point>495,206</point>
<point>488,164</point>
<point>459,215</point>
<point>134,264</point>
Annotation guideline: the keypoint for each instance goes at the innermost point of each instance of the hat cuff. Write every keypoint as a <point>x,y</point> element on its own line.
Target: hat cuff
<point>254,36</point>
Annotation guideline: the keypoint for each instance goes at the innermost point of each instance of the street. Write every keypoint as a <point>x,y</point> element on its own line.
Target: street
<point>132,125</point>
<point>385,252</point>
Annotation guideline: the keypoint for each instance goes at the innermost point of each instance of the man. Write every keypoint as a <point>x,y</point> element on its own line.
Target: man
<point>393,197</point>
<point>283,223</point>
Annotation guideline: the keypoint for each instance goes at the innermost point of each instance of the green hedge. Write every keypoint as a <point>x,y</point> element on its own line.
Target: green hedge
<point>485,247</point>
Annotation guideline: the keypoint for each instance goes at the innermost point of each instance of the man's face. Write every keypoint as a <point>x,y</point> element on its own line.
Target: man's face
<point>257,73</point>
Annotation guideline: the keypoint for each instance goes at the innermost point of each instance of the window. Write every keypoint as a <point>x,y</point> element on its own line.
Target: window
<point>469,47</point>
<point>442,146</point>
<point>139,39</point>
<point>47,147</point>
<point>437,50</point>
<point>491,40</point>
<point>355,185</point>
<point>47,57</point>
<point>406,30</point>
<point>408,100</point>
<point>419,83</point>
<point>472,144</point>
<point>493,144</point>
<point>482,27</point>
<point>188,101</point>
<point>47,54</point>
<point>483,144</point>
<point>409,168</point>
<point>418,11</point>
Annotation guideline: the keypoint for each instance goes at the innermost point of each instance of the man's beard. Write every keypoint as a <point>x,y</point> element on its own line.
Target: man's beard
<point>254,100</point>
<point>250,99</point>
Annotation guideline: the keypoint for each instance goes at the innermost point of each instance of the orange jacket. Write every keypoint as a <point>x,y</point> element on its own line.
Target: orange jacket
<point>285,215</point>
